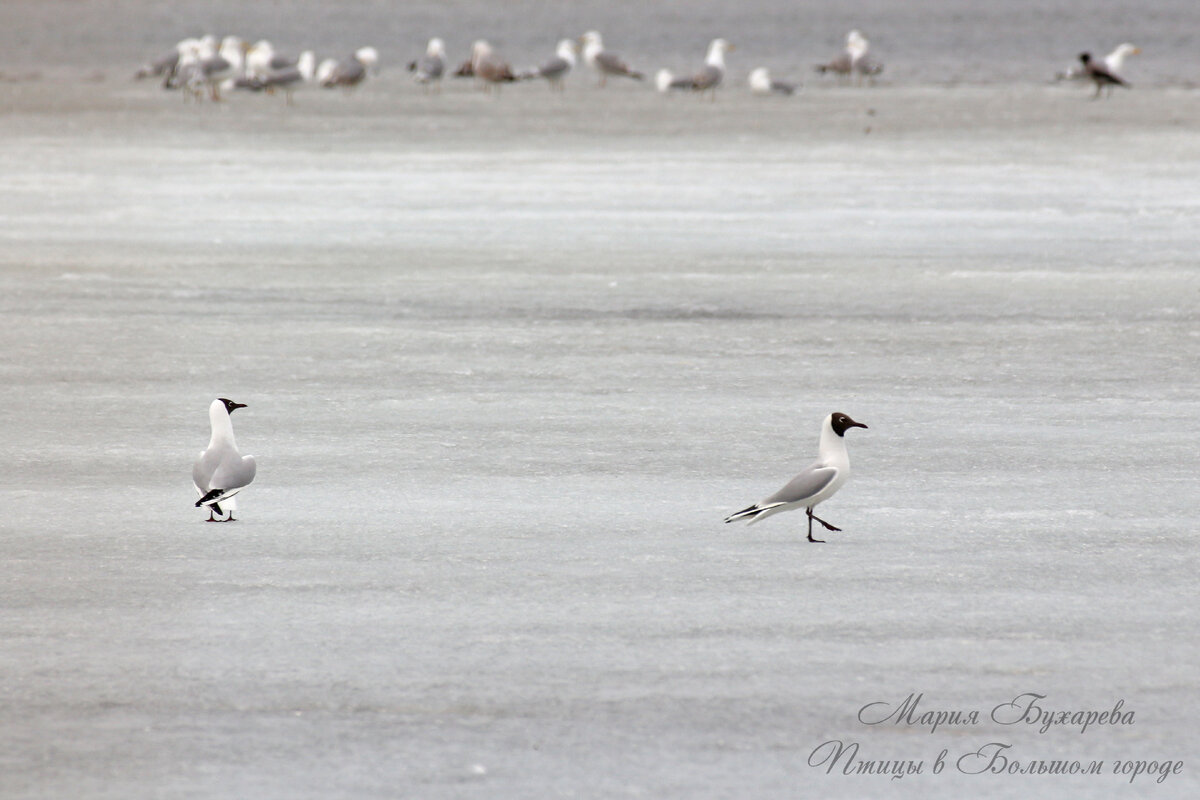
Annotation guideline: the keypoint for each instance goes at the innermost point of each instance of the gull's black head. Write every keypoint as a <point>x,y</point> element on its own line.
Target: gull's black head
<point>1085,57</point>
<point>231,406</point>
<point>840,422</point>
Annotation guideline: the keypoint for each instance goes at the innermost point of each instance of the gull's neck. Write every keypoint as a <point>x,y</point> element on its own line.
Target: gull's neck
<point>832,448</point>
<point>222,425</point>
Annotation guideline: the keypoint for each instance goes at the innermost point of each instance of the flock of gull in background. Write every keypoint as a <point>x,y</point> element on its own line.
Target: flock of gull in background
<point>208,66</point>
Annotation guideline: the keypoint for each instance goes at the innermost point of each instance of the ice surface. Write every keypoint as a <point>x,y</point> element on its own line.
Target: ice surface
<point>503,388</point>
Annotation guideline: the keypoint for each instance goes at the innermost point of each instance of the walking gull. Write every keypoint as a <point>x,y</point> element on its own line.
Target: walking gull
<point>816,483</point>
<point>221,471</point>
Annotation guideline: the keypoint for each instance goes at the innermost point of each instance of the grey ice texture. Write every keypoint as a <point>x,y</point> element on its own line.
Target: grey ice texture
<point>502,390</point>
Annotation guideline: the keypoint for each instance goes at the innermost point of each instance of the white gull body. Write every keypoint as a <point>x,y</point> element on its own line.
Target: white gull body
<point>710,77</point>
<point>816,483</point>
<point>221,471</point>
<point>604,62</point>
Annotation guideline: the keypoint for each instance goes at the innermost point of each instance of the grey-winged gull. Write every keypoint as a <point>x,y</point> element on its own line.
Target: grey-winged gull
<point>348,73</point>
<point>429,68</point>
<point>854,59</point>
<point>225,64</point>
<point>605,63</point>
<point>165,65</point>
<point>557,68</point>
<point>816,483</point>
<point>761,83</point>
<point>221,471</point>
<point>262,59</point>
<point>713,71</point>
<point>487,66</point>
<point>289,79</point>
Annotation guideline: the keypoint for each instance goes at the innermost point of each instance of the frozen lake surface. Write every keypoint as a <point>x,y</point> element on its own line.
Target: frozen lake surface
<point>508,363</point>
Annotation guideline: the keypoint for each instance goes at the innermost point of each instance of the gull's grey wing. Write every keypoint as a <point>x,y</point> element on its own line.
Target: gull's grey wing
<point>348,73</point>
<point>805,485</point>
<point>215,65</point>
<point>554,68</point>
<point>612,64</point>
<point>433,66</point>
<point>707,78</point>
<point>283,77</point>
<point>841,65</point>
<point>233,473</point>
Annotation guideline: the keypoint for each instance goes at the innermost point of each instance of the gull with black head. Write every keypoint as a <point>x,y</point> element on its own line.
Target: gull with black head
<point>817,483</point>
<point>221,471</point>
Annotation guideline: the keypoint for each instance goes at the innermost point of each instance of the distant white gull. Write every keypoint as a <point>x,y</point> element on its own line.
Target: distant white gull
<point>428,69</point>
<point>350,72</point>
<point>817,483</point>
<point>221,471</point>
<point>854,59</point>
<point>605,63</point>
<point>557,68</point>
<point>713,72</point>
<point>487,66</point>
<point>289,79</point>
<point>369,57</point>
<point>761,83</point>
<point>262,59</point>
<point>218,67</point>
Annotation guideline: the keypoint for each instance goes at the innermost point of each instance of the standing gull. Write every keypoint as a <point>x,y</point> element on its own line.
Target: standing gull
<point>288,79</point>
<point>348,73</point>
<point>818,482</point>
<point>556,68</point>
<point>489,67</point>
<point>262,59</point>
<point>604,62</point>
<point>854,59</point>
<point>429,68</point>
<point>1099,73</point>
<point>221,471</point>
<point>713,72</point>
<point>225,64</point>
